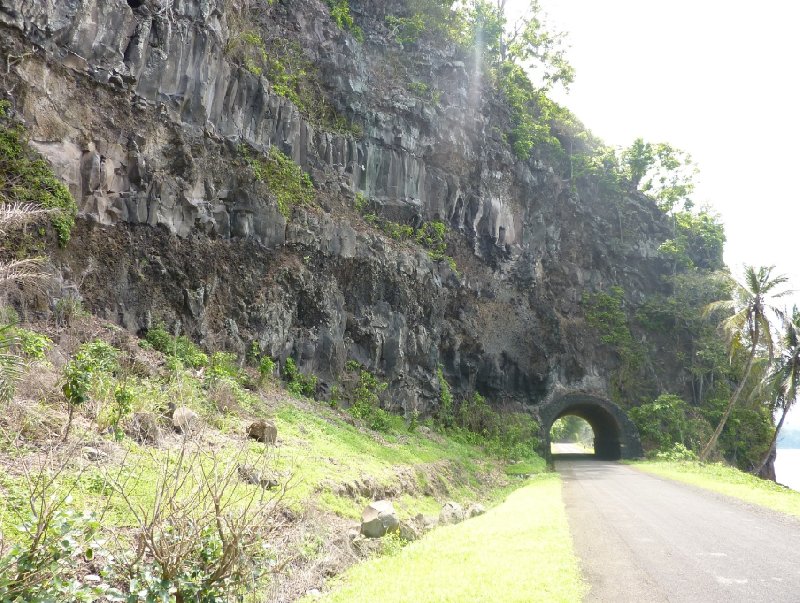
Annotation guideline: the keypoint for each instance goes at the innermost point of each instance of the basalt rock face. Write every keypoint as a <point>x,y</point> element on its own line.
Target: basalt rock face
<point>142,111</point>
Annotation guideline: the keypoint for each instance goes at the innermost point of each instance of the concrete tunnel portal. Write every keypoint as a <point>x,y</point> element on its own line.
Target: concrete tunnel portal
<point>615,435</point>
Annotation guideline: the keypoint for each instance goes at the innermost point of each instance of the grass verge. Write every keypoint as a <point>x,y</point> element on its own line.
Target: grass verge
<point>728,481</point>
<point>520,550</point>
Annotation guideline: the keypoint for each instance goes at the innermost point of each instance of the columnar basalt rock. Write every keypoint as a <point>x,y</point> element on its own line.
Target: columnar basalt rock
<point>143,114</point>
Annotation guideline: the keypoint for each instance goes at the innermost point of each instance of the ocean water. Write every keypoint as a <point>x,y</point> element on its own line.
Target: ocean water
<point>787,467</point>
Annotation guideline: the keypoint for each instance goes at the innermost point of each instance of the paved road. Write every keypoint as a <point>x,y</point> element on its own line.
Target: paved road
<point>645,539</point>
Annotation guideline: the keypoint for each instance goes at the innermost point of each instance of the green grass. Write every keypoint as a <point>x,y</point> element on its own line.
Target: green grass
<point>520,550</point>
<point>728,481</point>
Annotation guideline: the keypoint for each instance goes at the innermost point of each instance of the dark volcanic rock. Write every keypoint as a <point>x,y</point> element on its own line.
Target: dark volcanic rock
<point>141,112</point>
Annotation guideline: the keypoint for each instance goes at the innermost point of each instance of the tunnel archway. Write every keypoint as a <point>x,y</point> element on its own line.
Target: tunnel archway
<point>615,435</point>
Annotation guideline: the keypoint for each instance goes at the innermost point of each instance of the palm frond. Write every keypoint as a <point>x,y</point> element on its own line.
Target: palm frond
<point>29,270</point>
<point>12,366</point>
<point>17,215</point>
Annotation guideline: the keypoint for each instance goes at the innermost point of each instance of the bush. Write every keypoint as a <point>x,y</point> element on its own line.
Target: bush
<point>365,400</point>
<point>286,180</point>
<point>678,453</point>
<point>296,382</point>
<point>224,365</point>
<point>668,421</point>
<point>177,347</point>
<point>33,345</point>
<point>27,178</point>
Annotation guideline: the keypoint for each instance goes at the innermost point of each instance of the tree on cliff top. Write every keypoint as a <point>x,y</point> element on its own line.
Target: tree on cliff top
<point>748,326</point>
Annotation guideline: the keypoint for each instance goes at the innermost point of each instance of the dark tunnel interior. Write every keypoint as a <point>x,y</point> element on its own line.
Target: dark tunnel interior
<point>607,431</point>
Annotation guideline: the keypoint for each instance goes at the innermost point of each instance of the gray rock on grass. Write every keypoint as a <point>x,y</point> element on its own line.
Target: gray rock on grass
<point>378,519</point>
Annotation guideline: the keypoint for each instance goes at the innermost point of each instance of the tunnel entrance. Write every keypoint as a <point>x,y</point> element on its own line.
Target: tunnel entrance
<point>571,435</point>
<point>614,434</point>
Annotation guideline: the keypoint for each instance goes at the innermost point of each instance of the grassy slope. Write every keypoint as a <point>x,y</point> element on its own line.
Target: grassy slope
<point>728,481</point>
<point>519,551</point>
<point>318,447</point>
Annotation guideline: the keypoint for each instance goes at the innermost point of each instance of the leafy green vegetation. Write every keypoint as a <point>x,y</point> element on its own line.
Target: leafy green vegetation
<point>340,13</point>
<point>430,235</point>
<point>432,569</point>
<point>286,180</point>
<point>363,396</point>
<point>26,178</point>
<point>667,421</point>
<point>178,347</point>
<point>728,481</point>
<point>298,383</point>
<point>290,73</point>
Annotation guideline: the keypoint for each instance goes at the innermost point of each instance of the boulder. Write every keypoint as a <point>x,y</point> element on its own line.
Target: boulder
<point>451,513</point>
<point>143,428</point>
<point>410,531</point>
<point>185,420</point>
<point>263,431</point>
<point>475,509</point>
<point>426,522</point>
<point>250,475</point>
<point>378,519</point>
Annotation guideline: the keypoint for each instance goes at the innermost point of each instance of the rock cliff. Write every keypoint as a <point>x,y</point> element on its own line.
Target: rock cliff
<point>143,111</point>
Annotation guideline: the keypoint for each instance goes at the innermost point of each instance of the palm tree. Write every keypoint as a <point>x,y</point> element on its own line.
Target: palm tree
<point>785,378</point>
<point>750,322</point>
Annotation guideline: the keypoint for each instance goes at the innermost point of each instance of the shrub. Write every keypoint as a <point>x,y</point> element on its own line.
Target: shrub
<point>364,398</point>
<point>33,345</point>
<point>91,358</point>
<point>678,453</point>
<point>340,13</point>
<point>177,347</point>
<point>668,421</point>
<point>224,365</point>
<point>298,383</point>
<point>27,178</point>
<point>445,412</point>
<point>286,180</point>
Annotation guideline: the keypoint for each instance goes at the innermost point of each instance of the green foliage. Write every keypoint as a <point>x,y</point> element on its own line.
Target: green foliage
<point>430,235</point>
<point>340,13</point>
<point>121,408</point>
<point>11,364</point>
<point>91,358</point>
<point>223,365</point>
<point>266,367</point>
<point>661,171</point>
<point>296,382</point>
<point>360,202</point>
<point>427,20</point>
<point>286,180</point>
<point>678,453</point>
<point>365,399</point>
<point>570,428</point>
<point>669,421</point>
<point>406,30</point>
<point>32,344</point>
<point>605,312</point>
<point>425,92</point>
<point>177,347</point>
<point>698,241</point>
<point>68,309</point>
<point>40,566</point>
<point>445,412</point>
<point>283,62</point>
<point>25,177</point>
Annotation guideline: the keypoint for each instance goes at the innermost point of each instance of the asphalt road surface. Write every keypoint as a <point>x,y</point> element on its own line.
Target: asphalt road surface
<point>646,539</point>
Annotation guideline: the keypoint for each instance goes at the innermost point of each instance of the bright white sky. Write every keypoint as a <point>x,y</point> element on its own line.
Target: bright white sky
<point>717,79</point>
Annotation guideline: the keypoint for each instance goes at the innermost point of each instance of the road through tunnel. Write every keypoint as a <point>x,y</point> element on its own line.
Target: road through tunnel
<point>615,435</point>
